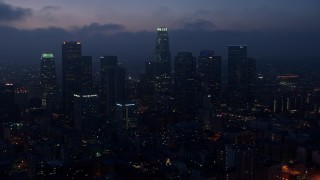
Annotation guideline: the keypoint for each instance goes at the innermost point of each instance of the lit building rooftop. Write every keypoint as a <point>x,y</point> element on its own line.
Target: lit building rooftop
<point>47,55</point>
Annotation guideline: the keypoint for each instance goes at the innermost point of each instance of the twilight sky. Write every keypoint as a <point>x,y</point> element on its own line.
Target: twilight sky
<point>138,15</point>
<point>271,28</point>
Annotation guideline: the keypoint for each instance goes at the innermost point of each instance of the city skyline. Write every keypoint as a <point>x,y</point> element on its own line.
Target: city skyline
<point>289,31</point>
<point>198,119</point>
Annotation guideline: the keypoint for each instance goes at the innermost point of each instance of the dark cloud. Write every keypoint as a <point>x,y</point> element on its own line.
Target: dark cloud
<point>162,11</point>
<point>49,13</point>
<point>11,13</point>
<point>50,8</point>
<point>200,24</point>
<point>96,28</point>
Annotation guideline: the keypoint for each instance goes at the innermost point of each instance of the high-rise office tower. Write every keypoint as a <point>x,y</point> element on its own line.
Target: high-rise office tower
<point>7,93</point>
<point>86,71</point>
<point>112,83</point>
<point>86,114</point>
<point>76,73</point>
<point>48,77</point>
<point>21,98</point>
<point>184,82</point>
<point>209,71</point>
<point>162,52</point>
<point>71,58</point>
<point>241,75</point>
<point>251,81</point>
<point>8,109</point>
<point>48,81</point>
<point>126,116</point>
<point>162,70</point>
<point>147,86</point>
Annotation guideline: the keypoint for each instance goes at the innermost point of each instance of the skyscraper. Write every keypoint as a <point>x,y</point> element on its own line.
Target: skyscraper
<point>48,81</point>
<point>209,71</point>
<point>7,94</point>
<point>126,116</point>
<point>184,82</point>
<point>86,114</point>
<point>162,71</point>
<point>147,86</point>
<point>71,58</point>
<point>162,52</point>
<point>8,109</point>
<point>86,71</point>
<point>251,81</point>
<point>48,77</point>
<point>112,83</point>
<point>241,75</point>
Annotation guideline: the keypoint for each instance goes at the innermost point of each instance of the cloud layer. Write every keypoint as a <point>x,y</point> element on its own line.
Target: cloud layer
<point>10,13</point>
<point>200,24</point>
<point>96,28</point>
<point>247,15</point>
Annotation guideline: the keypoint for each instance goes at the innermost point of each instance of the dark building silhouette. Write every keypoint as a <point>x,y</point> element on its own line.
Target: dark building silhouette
<point>76,73</point>
<point>184,82</point>
<point>241,76</point>
<point>71,78</point>
<point>21,98</point>
<point>251,81</point>
<point>86,71</point>
<point>86,114</point>
<point>147,86</point>
<point>126,116</point>
<point>7,94</point>
<point>209,71</point>
<point>8,109</point>
<point>112,83</point>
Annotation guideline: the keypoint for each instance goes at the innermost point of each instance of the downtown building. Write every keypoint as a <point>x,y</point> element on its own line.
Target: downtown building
<point>184,84</point>
<point>209,73</point>
<point>112,84</point>
<point>241,78</point>
<point>162,72</point>
<point>147,89</point>
<point>156,82</point>
<point>86,114</point>
<point>76,74</point>
<point>48,81</point>
<point>8,108</point>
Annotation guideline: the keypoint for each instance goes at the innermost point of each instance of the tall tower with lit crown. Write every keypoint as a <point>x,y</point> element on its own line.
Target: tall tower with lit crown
<point>48,77</point>
<point>162,70</point>
<point>162,52</point>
